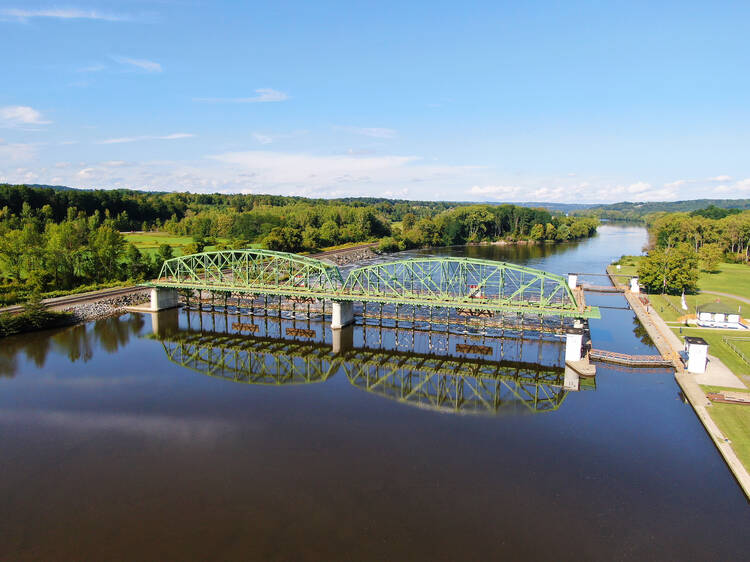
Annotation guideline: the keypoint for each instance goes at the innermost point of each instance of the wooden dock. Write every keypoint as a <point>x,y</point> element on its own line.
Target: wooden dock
<point>629,360</point>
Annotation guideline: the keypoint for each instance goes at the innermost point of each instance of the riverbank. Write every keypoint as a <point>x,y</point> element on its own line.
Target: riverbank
<point>70,310</point>
<point>717,374</point>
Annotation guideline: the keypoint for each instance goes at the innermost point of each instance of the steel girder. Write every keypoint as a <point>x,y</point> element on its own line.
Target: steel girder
<point>465,283</point>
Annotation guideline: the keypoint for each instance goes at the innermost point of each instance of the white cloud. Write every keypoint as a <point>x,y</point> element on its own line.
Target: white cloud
<point>16,152</point>
<point>373,132</point>
<point>496,190</point>
<point>143,64</point>
<point>263,95</point>
<point>17,115</point>
<point>313,170</point>
<point>721,178</point>
<point>269,138</point>
<point>61,14</point>
<point>173,136</point>
<point>93,68</point>
<point>676,183</point>
<point>639,187</point>
<point>263,139</point>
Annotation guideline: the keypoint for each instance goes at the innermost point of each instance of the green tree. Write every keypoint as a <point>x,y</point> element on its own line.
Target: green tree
<point>164,253</point>
<point>428,232</point>
<point>106,246</point>
<point>136,266</point>
<point>409,221</point>
<point>710,256</point>
<point>537,232</point>
<point>563,233</point>
<point>12,250</point>
<point>670,270</point>
<point>550,232</point>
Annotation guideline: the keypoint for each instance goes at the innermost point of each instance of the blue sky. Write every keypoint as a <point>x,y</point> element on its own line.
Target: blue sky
<point>502,101</point>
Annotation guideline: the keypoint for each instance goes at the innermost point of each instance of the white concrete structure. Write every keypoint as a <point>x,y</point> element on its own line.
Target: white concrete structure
<point>573,346</point>
<point>572,280</point>
<point>342,314</point>
<point>162,299</point>
<point>634,286</point>
<point>717,315</point>
<point>697,354</point>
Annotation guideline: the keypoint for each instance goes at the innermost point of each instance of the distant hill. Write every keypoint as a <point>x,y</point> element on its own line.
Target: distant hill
<point>55,187</point>
<point>563,207</point>
<point>628,210</point>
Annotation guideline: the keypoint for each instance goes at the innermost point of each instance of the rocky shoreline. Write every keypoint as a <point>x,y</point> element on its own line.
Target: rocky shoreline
<point>356,255</point>
<point>108,306</point>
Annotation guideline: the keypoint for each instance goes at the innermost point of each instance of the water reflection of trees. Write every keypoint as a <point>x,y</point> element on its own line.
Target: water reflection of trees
<point>640,332</point>
<point>77,343</point>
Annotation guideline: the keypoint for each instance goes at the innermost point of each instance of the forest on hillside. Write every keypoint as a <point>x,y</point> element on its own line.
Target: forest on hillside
<point>637,212</point>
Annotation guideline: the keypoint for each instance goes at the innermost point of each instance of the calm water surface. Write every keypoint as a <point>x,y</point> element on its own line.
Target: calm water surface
<point>116,444</point>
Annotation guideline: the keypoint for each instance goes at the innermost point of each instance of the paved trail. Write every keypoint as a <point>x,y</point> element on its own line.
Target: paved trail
<point>735,297</point>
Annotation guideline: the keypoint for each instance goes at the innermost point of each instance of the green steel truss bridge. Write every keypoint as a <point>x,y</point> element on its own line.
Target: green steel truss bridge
<point>449,282</point>
<point>449,384</point>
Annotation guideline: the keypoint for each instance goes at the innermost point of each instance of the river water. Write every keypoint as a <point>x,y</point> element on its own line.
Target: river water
<point>116,444</point>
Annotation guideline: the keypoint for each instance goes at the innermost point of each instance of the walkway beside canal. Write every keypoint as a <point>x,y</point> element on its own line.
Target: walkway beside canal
<point>669,345</point>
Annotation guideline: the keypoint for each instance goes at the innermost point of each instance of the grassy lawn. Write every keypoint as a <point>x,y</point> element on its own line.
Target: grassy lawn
<point>732,278</point>
<point>670,309</point>
<point>628,266</point>
<point>149,242</point>
<point>718,348</point>
<point>734,422</point>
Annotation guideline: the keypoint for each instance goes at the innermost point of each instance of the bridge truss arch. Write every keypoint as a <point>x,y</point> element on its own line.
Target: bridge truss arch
<point>262,271</point>
<point>473,284</point>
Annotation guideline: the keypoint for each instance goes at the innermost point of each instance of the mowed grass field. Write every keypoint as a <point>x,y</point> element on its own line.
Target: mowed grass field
<point>149,242</point>
<point>732,278</point>
<point>734,422</point>
<point>719,348</point>
<point>669,307</point>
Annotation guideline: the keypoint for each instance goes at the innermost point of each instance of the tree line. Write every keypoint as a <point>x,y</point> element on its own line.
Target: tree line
<point>683,243</point>
<point>41,255</point>
<point>44,251</point>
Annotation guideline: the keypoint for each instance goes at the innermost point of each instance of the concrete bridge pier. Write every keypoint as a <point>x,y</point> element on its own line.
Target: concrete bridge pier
<point>162,299</point>
<point>342,314</point>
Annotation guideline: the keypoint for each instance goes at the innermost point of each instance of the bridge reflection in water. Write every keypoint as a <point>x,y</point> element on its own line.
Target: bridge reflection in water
<point>442,380</point>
